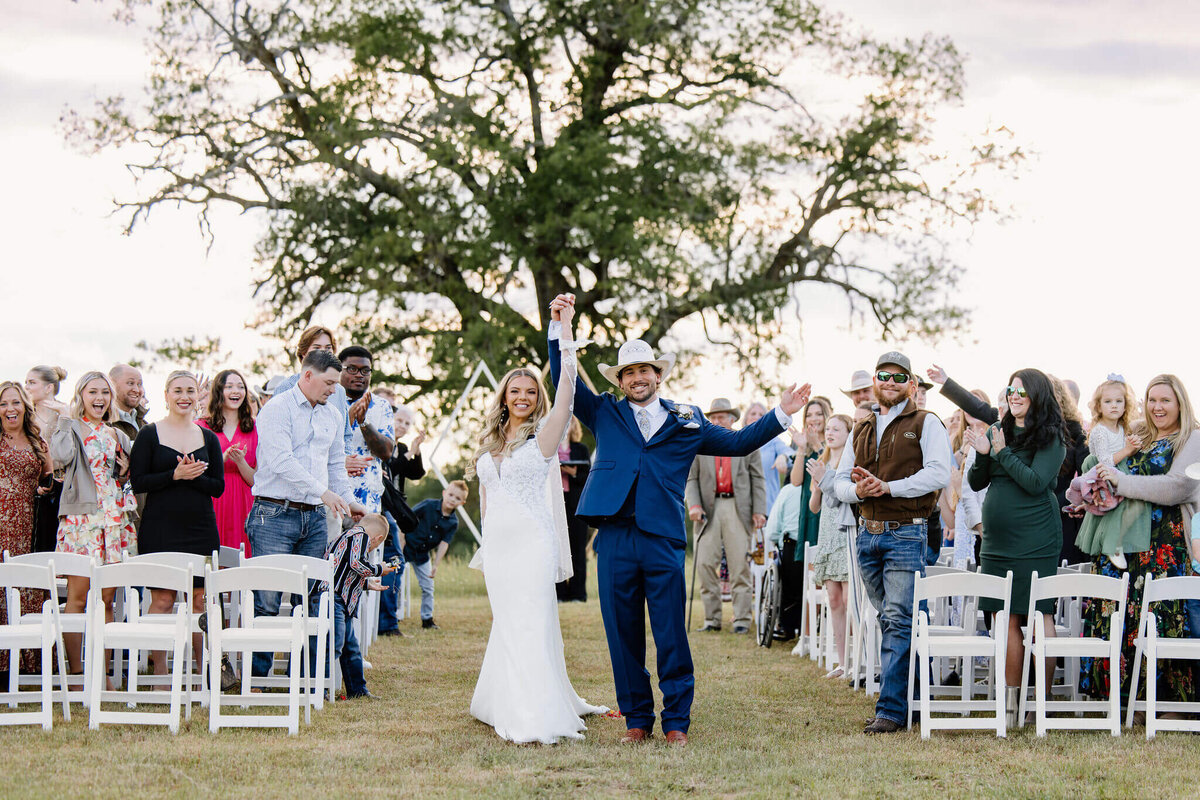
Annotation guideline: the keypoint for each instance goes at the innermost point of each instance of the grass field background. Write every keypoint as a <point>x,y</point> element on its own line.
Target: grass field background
<point>765,724</point>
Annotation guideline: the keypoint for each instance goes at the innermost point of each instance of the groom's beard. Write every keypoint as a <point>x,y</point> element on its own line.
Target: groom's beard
<point>641,393</point>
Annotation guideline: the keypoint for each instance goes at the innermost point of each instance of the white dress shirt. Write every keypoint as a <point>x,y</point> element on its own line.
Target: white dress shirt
<point>300,450</point>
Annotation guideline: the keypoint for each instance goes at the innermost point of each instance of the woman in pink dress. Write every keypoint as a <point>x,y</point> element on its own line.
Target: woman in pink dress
<point>229,417</point>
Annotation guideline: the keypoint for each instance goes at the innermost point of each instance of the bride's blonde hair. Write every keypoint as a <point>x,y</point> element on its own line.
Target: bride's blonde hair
<point>493,439</point>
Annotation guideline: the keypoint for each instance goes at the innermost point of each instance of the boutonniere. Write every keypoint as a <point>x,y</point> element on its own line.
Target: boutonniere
<point>686,417</point>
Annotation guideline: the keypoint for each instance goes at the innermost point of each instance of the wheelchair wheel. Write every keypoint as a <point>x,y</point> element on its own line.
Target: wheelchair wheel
<point>768,615</point>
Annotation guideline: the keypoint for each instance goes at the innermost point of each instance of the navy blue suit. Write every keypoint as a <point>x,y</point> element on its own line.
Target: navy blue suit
<point>634,497</point>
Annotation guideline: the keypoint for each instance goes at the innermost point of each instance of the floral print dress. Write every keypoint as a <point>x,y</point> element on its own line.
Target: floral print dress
<point>19,472</point>
<point>1167,557</point>
<point>108,530</point>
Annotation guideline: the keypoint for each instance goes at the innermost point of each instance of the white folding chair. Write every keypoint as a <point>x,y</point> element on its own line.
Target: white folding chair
<point>168,632</point>
<point>74,565</point>
<point>961,643</point>
<point>868,637</point>
<point>197,683</point>
<point>815,599</point>
<point>1152,646</point>
<point>1041,650</point>
<point>320,626</point>
<point>23,633</point>
<point>256,634</point>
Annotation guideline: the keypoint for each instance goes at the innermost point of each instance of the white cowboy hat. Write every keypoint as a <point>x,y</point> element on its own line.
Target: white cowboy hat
<point>861,379</point>
<point>631,354</point>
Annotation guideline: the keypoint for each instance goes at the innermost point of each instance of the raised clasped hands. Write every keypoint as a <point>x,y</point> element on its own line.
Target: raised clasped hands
<point>793,399</point>
<point>866,484</point>
<point>188,468</point>
<point>562,308</point>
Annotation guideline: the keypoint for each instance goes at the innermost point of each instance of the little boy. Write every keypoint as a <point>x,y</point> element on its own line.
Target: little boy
<point>436,525</point>
<point>352,573</point>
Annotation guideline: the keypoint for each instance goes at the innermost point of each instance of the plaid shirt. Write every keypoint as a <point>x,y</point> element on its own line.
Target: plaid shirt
<point>351,568</point>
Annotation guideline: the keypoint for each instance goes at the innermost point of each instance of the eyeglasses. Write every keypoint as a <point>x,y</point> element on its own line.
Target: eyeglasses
<point>894,377</point>
<point>1019,391</point>
<point>364,371</point>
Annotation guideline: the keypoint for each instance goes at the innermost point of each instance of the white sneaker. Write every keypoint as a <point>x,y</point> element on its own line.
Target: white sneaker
<point>366,664</point>
<point>1118,560</point>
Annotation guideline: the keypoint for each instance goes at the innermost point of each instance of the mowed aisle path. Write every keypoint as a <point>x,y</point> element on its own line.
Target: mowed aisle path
<point>765,724</point>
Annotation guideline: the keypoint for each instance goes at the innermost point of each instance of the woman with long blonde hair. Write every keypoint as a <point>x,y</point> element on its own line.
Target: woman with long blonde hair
<point>523,690</point>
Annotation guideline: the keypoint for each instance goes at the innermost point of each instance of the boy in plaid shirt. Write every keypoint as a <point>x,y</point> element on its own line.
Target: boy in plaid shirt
<point>352,574</point>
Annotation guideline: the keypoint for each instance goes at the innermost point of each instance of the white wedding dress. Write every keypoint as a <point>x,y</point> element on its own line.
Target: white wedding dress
<point>523,690</point>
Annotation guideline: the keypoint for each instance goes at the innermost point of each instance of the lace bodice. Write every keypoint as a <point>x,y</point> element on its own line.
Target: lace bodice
<point>522,476</point>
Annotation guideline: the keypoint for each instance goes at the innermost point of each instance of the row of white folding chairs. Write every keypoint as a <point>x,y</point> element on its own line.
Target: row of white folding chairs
<point>135,631</point>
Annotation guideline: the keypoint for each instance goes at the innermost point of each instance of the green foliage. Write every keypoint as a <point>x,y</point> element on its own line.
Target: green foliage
<point>441,169</point>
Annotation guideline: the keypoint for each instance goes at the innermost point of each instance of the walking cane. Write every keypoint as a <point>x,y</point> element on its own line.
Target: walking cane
<point>697,531</point>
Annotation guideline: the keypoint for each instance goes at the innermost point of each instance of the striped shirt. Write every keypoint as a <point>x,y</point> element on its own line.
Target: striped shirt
<point>351,568</point>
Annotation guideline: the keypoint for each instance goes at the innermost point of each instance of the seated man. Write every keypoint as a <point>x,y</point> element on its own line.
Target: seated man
<point>352,573</point>
<point>436,525</point>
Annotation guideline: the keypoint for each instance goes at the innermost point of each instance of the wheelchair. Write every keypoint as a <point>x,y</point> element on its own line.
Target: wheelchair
<point>768,590</point>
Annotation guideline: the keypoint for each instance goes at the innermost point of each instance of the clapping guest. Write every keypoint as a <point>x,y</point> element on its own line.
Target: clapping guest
<point>97,507</point>
<point>43,384</point>
<point>24,461</point>
<point>228,416</point>
<point>372,438</point>
<point>831,563</point>
<point>1022,525</point>
<point>775,455</point>
<point>128,394</point>
<point>177,464</point>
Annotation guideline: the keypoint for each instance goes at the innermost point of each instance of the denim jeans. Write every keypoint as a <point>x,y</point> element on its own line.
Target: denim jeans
<point>425,581</point>
<point>272,529</point>
<point>346,651</point>
<point>390,596</point>
<point>887,562</point>
<point>1192,608</point>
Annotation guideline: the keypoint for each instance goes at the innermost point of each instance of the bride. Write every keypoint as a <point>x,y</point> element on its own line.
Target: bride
<point>523,690</point>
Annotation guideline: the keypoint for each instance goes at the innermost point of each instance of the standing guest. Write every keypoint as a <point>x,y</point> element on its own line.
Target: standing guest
<point>1022,524</point>
<point>353,573</point>
<point>1158,474</point>
<point>1077,451</point>
<point>177,464</point>
<point>128,396</point>
<point>575,464</point>
<point>775,455</point>
<point>860,390</point>
<point>783,523</point>
<point>97,506</point>
<point>427,544</point>
<point>24,462</point>
<point>816,412</point>
<point>968,503</point>
<point>831,562</point>
<point>405,464</point>
<point>228,416</point>
<point>728,491</point>
<point>920,395</point>
<point>43,384</point>
<point>301,473</point>
<point>372,438</point>
<point>897,462</point>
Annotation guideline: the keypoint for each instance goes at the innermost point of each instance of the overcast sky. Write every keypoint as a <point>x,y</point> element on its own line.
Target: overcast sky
<point>1096,272</point>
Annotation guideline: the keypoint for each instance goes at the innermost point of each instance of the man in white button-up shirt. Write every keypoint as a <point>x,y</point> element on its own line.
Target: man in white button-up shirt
<point>301,471</point>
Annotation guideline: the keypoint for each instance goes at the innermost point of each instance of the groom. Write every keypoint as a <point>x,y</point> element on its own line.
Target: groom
<point>645,446</point>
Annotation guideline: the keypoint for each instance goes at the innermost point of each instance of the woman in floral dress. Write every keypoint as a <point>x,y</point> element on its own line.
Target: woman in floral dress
<point>1156,475</point>
<point>97,506</point>
<point>24,460</point>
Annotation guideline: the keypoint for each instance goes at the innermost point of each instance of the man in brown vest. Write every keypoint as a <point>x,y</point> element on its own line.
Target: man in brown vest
<point>898,462</point>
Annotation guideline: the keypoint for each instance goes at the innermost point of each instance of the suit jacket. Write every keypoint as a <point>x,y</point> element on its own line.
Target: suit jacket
<point>656,470</point>
<point>749,491</point>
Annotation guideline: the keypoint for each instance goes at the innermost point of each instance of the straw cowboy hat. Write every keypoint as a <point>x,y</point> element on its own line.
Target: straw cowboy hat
<point>722,406</point>
<point>631,354</point>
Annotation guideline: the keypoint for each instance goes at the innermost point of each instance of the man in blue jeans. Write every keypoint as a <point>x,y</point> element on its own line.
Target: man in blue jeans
<point>301,472</point>
<point>898,462</point>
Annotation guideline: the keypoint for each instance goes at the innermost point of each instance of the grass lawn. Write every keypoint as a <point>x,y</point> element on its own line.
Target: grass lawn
<point>765,724</point>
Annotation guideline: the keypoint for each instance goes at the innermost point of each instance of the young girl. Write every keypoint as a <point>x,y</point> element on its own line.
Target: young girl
<point>97,506</point>
<point>831,564</point>
<point>1113,408</point>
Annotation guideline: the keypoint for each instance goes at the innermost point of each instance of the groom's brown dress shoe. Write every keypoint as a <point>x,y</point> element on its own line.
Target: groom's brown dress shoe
<point>676,738</point>
<point>635,735</point>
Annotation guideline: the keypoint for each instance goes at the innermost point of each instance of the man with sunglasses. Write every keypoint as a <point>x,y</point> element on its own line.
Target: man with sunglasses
<point>898,461</point>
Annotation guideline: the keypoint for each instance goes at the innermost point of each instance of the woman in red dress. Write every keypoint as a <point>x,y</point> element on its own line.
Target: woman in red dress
<point>24,460</point>
<point>229,417</point>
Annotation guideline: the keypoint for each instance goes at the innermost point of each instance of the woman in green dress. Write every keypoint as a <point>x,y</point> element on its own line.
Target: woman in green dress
<point>1157,475</point>
<point>1022,526</point>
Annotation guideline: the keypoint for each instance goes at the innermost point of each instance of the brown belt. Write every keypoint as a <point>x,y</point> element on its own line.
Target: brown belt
<point>289,504</point>
<point>879,526</point>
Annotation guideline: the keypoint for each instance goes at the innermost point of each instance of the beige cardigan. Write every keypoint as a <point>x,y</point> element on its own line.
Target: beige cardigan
<point>1173,489</point>
<point>79,486</point>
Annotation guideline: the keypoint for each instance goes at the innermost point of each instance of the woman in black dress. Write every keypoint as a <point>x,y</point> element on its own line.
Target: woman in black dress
<point>178,465</point>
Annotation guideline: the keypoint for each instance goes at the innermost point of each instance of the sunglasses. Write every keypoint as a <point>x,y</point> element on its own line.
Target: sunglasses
<point>894,377</point>
<point>1019,391</point>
